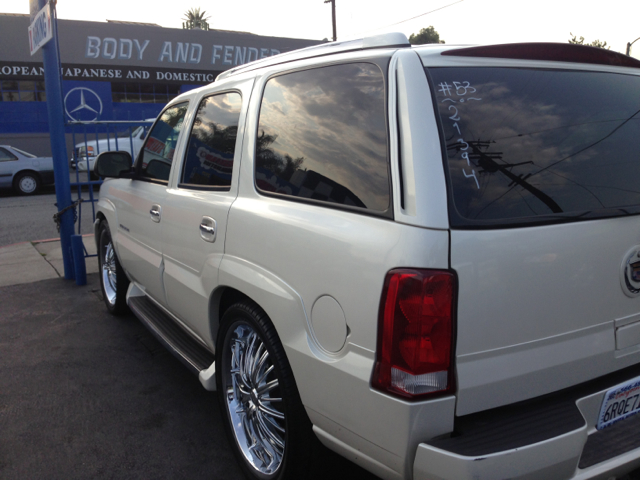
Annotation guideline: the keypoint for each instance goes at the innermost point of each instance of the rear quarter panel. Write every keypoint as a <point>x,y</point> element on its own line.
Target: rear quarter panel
<point>286,255</point>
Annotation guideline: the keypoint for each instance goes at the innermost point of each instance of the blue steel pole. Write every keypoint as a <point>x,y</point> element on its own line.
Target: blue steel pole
<point>55,109</point>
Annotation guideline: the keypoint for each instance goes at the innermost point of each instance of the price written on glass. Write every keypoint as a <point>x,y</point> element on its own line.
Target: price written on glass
<point>460,90</point>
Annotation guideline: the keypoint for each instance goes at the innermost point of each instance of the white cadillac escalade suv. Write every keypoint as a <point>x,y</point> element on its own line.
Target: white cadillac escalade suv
<point>428,258</point>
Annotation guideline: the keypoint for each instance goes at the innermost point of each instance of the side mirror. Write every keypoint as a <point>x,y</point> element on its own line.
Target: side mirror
<point>112,164</point>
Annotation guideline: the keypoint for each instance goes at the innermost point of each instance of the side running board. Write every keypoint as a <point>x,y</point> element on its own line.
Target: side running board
<point>188,350</point>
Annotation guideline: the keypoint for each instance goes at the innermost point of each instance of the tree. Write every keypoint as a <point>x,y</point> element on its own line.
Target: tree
<point>195,20</point>
<point>426,35</point>
<point>580,41</point>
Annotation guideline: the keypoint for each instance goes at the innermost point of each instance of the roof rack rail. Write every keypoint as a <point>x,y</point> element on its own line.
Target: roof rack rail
<point>388,40</point>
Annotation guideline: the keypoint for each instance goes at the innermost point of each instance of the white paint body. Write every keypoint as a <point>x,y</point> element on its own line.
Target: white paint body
<point>536,311</point>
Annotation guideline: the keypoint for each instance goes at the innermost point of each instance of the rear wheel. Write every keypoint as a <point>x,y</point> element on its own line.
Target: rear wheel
<point>113,280</point>
<point>26,183</point>
<point>268,428</point>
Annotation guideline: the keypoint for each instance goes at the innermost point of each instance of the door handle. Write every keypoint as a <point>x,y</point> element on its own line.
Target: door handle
<point>155,213</point>
<point>208,229</point>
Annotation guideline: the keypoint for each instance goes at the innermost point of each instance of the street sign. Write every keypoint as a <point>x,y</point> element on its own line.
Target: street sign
<point>40,31</point>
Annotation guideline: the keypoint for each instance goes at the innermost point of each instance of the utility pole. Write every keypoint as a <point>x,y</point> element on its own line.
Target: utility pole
<point>628,44</point>
<point>333,17</point>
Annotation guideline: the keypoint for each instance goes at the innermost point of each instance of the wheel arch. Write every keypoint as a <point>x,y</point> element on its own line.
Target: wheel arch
<point>96,227</point>
<point>220,301</point>
<point>242,280</point>
<point>106,212</point>
<point>26,170</point>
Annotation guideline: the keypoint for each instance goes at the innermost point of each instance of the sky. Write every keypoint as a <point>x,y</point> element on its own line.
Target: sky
<point>459,22</point>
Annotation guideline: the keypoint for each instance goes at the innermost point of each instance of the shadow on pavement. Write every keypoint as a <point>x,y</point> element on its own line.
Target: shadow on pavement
<point>87,395</point>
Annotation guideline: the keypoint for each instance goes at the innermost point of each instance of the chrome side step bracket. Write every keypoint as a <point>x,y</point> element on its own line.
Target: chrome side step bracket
<point>188,350</point>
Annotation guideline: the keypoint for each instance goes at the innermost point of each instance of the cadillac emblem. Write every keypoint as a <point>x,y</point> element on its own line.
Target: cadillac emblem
<point>630,272</point>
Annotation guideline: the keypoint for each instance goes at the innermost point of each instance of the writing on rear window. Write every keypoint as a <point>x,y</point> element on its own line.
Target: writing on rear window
<point>525,144</point>
<point>460,89</point>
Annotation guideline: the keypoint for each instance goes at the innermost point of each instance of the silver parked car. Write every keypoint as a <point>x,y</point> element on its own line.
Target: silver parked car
<point>24,172</point>
<point>426,257</point>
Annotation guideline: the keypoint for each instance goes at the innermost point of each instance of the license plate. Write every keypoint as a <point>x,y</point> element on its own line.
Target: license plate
<point>619,403</point>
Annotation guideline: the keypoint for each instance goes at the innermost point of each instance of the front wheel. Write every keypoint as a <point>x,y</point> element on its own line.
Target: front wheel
<point>268,428</point>
<point>113,281</point>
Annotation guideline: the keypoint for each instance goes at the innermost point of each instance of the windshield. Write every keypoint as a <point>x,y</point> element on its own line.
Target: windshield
<point>25,154</point>
<point>527,144</point>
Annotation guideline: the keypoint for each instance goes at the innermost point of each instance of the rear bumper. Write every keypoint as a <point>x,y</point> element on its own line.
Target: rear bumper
<point>554,459</point>
<point>551,438</point>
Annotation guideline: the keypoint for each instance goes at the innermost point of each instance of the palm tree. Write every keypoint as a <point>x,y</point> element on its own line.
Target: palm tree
<point>195,20</point>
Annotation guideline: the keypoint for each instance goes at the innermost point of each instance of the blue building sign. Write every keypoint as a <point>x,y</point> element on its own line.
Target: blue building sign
<point>117,70</point>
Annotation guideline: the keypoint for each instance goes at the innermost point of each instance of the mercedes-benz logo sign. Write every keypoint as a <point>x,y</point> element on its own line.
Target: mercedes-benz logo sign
<point>82,105</point>
<point>630,272</point>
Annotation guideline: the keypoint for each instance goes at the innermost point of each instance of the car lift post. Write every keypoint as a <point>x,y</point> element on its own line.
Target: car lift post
<point>53,85</point>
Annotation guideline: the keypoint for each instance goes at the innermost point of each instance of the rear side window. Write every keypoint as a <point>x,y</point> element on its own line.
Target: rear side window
<point>530,145</point>
<point>322,136</point>
<point>6,156</point>
<point>157,154</point>
<point>212,143</point>
<point>23,153</point>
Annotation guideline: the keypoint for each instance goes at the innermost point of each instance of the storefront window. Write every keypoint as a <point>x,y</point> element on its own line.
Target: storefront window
<point>143,92</point>
<point>22,91</point>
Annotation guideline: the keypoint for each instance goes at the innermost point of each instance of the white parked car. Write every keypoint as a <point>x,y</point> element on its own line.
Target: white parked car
<point>428,258</point>
<point>24,172</point>
<point>85,152</point>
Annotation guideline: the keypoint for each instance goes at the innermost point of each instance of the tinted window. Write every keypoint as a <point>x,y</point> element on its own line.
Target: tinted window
<point>159,149</point>
<point>209,159</point>
<point>532,144</point>
<point>322,135</point>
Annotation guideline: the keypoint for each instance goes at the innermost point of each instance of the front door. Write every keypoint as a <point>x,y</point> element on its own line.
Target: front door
<point>139,204</point>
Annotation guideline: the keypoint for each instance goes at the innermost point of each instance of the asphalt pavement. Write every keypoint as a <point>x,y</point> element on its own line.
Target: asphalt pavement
<point>28,218</point>
<point>85,395</point>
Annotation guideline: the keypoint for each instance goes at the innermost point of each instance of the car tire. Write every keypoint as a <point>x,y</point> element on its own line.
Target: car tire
<point>264,418</point>
<point>113,281</point>
<point>26,183</point>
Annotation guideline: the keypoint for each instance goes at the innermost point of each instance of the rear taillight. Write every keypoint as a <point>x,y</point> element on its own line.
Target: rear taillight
<point>415,333</point>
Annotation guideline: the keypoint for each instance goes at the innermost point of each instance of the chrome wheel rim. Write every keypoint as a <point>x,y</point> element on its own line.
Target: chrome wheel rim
<point>255,408</point>
<point>27,184</point>
<point>109,278</point>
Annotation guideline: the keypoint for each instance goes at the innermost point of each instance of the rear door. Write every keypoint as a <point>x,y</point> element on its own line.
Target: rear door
<point>195,209</point>
<point>543,173</point>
